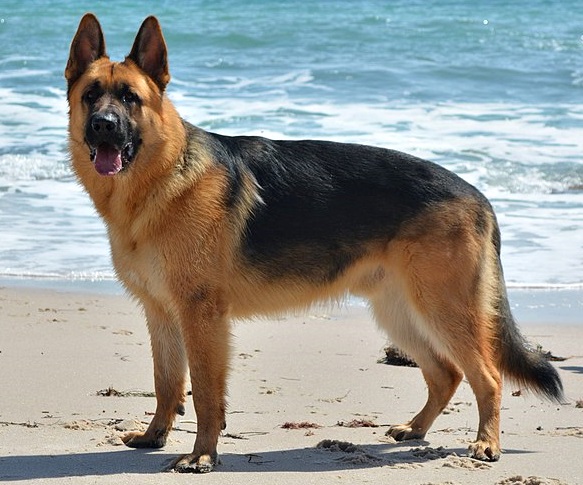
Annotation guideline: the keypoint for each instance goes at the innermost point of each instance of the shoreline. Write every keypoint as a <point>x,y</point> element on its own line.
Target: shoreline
<point>59,350</point>
<point>533,304</point>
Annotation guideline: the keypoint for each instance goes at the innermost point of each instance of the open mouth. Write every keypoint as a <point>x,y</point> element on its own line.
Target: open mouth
<point>109,159</point>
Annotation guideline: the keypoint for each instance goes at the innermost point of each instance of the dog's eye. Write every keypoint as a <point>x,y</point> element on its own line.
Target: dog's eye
<point>91,95</point>
<point>129,97</point>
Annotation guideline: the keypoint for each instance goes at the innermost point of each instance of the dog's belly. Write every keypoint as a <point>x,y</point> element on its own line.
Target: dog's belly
<point>253,293</point>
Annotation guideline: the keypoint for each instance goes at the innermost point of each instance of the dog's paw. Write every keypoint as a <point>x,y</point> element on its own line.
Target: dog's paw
<point>403,432</point>
<point>484,451</point>
<point>193,463</point>
<point>137,439</point>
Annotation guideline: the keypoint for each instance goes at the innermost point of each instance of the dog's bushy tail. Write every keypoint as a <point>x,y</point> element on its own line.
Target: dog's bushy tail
<point>519,362</point>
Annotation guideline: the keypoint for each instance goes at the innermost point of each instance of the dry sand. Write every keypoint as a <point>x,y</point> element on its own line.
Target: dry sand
<point>58,350</point>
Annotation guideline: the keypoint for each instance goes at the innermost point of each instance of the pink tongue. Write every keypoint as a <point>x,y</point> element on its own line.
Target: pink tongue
<point>107,160</point>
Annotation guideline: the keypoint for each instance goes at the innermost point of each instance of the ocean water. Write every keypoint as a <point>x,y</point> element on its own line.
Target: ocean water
<point>491,90</point>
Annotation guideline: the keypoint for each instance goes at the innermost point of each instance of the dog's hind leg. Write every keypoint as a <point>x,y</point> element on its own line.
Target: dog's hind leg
<point>442,378</point>
<point>169,378</point>
<point>448,281</point>
<point>394,314</point>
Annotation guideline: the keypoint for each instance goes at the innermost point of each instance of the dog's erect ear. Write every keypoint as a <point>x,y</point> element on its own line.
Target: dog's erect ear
<point>87,46</point>
<point>149,52</point>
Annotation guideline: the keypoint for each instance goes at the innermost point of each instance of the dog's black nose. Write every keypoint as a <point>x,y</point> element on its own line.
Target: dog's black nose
<point>104,123</point>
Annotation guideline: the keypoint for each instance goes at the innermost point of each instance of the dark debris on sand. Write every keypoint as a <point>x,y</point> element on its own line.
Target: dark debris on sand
<point>394,356</point>
<point>302,425</point>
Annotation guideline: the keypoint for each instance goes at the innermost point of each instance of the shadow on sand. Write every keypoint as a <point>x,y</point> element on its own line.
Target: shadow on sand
<point>124,461</point>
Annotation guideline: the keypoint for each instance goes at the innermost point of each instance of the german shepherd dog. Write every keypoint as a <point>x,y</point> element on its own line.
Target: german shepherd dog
<point>206,228</point>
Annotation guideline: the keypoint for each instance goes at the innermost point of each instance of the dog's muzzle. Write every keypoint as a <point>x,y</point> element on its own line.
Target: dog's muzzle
<point>111,146</point>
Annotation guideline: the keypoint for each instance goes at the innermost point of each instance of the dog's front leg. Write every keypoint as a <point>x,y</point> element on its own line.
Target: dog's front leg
<point>169,377</point>
<point>205,329</point>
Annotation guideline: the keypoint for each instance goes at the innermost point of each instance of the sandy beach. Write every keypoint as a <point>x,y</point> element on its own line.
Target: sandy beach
<point>76,373</point>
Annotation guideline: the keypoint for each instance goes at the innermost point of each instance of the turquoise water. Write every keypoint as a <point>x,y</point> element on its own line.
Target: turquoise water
<point>493,92</point>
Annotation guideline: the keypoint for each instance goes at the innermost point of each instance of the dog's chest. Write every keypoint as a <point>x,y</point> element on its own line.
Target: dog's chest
<point>139,265</point>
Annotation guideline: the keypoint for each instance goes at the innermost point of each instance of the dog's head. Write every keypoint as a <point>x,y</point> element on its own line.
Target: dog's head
<point>114,104</point>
